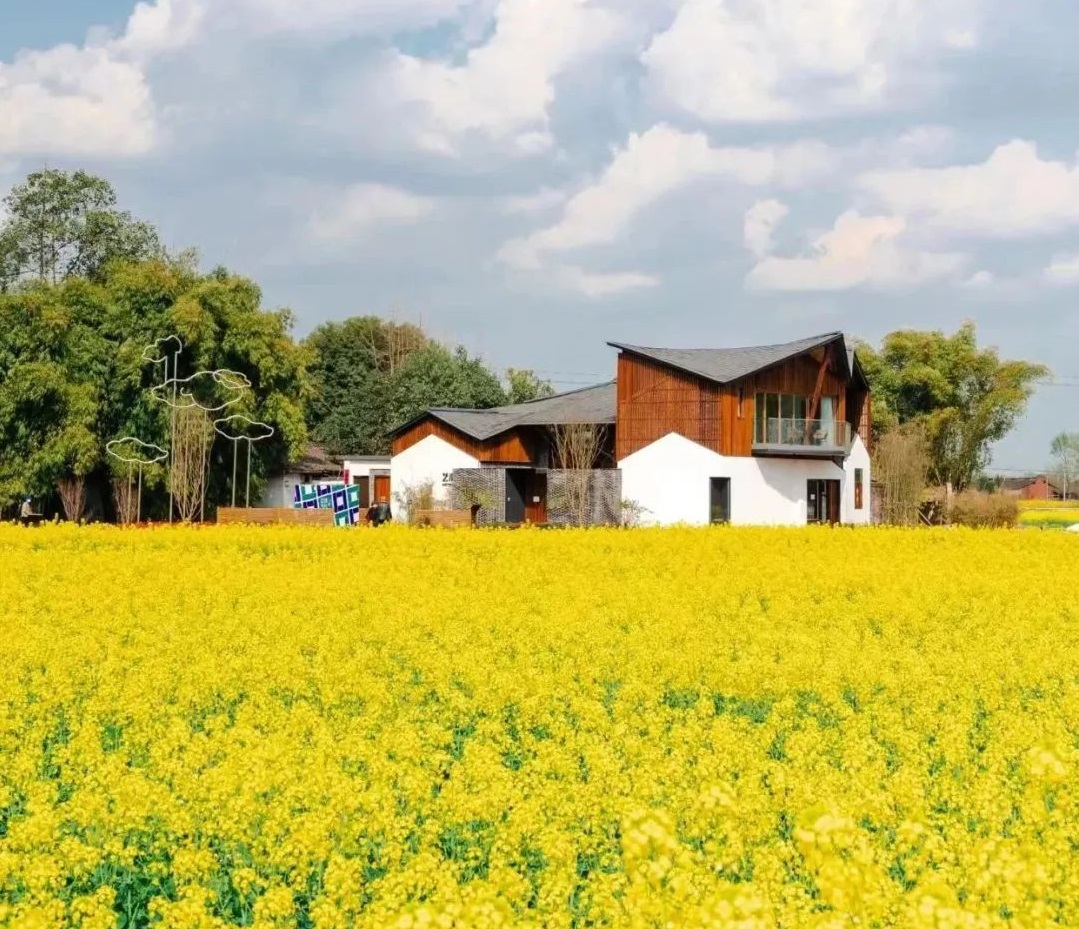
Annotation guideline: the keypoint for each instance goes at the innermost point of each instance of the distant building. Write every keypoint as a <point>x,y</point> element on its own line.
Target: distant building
<point>1032,487</point>
<point>315,467</point>
<point>765,435</point>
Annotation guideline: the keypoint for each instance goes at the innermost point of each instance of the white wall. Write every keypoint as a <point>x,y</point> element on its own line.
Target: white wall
<point>671,478</point>
<point>859,458</point>
<point>362,467</point>
<point>430,459</point>
<point>278,493</point>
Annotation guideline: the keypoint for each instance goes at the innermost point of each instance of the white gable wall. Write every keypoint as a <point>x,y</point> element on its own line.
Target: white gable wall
<point>671,479</point>
<point>430,459</point>
<point>858,458</point>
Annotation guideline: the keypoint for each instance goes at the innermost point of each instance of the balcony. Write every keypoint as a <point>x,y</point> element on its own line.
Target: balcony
<point>802,438</point>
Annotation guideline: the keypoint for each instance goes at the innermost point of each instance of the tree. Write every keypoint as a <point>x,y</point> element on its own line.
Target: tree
<point>351,364</point>
<point>523,385</point>
<point>62,225</point>
<point>73,376</point>
<point>1065,452</point>
<point>577,448</point>
<point>964,397</point>
<point>436,376</point>
<point>370,375</point>
<point>901,464</point>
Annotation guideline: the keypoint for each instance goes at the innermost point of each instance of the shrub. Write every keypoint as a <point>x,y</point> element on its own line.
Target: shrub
<point>981,510</point>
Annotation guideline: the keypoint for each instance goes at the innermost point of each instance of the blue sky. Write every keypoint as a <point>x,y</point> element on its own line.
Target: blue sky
<point>533,178</point>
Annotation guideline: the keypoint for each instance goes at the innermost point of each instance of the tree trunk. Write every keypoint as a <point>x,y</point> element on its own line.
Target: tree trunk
<point>72,492</point>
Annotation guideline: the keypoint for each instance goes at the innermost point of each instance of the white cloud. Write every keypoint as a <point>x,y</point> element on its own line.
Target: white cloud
<point>505,87</point>
<point>761,221</point>
<point>980,280</point>
<point>547,198</point>
<point>859,251</point>
<point>772,60</point>
<point>598,286</point>
<point>357,210</point>
<point>1063,270</point>
<point>1014,193</point>
<point>96,100</point>
<point>651,166</point>
<point>75,101</point>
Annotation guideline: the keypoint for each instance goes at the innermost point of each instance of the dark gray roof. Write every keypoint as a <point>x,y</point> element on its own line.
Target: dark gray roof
<point>724,365</point>
<point>588,405</point>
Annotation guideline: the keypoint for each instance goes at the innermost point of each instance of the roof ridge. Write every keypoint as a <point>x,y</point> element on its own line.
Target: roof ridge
<point>731,348</point>
<point>562,393</point>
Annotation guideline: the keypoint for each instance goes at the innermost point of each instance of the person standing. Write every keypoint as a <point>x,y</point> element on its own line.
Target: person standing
<point>27,510</point>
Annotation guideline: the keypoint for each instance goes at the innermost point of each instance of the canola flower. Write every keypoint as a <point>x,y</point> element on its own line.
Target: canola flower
<point>672,728</point>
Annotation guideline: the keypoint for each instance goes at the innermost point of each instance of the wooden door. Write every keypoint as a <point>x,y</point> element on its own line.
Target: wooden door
<point>536,499</point>
<point>382,488</point>
<point>364,483</point>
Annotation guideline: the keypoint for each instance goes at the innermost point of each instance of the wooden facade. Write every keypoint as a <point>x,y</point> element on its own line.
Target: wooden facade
<point>655,400</point>
<point>509,448</point>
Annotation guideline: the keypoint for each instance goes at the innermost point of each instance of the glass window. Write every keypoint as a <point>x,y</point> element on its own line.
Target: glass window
<point>859,484</point>
<point>720,500</point>
<point>801,406</point>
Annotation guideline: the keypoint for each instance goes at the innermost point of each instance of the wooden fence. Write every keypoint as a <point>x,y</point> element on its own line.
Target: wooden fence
<point>265,516</point>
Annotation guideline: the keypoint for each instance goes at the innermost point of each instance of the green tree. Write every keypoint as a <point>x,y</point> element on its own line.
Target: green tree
<point>964,397</point>
<point>62,224</point>
<point>351,365</point>
<point>73,376</point>
<point>437,376</point>
<point>523,385</point>
<point>370,375</point>
<point>1065,452</point>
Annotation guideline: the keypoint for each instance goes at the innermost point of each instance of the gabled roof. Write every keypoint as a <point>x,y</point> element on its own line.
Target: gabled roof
<point>593,405</point>
<point>315,461</point>
<point>724,365</point>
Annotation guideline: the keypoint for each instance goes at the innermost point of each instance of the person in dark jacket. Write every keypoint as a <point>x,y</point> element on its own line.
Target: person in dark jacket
<point>379,513</point>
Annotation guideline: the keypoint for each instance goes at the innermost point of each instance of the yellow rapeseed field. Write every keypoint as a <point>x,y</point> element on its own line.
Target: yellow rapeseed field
<point>676,728</point>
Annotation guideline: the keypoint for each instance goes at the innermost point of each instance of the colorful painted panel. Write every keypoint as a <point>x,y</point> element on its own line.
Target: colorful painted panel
<point>342,499</point>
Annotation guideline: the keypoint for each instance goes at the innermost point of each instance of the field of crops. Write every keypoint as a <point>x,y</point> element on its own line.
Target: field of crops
<point>1045,514</point>
<point>394,728</point>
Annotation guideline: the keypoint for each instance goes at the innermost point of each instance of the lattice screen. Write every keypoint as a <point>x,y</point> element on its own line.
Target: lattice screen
<point>602,497</point>
<point>485,486</point>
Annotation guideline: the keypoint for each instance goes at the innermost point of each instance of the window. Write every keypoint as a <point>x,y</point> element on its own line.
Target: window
<point>741,401</point>
<point>859,485</point>
<point>720,505</point>
<point>782,419</point>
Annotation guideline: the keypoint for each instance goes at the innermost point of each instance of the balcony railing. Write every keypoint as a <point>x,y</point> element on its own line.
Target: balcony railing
<point>812,436</point>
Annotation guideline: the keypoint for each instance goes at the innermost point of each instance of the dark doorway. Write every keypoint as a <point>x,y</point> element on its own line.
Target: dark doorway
<point>822,502</point>
<point>720,511</point>
<point>516,494</point>
<point>364,483</point>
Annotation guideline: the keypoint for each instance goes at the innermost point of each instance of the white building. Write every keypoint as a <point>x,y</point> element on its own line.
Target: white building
<point>315,467</point>
<point>764,435</point>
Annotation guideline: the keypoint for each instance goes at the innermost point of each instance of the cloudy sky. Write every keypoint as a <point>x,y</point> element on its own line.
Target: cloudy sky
<point>533,178</point>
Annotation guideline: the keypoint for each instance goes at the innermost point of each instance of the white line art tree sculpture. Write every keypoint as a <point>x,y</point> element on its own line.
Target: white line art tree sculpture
<point>238,429</point>
<point>137,455</point>
<point>162,352</point>
<point>192,400</point>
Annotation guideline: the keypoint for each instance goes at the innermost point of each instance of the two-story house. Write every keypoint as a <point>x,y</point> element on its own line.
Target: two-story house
<point>763,435</point>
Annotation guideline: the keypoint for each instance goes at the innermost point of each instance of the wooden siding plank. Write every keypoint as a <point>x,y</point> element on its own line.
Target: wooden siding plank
<point>508,448</point>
